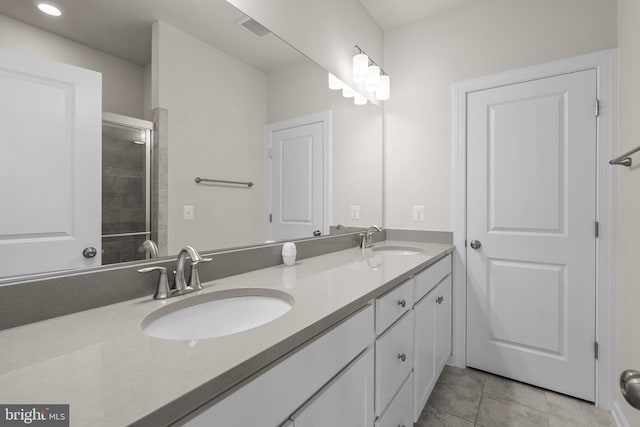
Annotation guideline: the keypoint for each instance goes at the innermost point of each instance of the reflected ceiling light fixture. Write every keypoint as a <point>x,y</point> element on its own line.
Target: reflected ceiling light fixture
<point>334,82</point>
<point>347,92</point>
<point>49,8</point>
<point>365,70</point>
<point>359,99</point>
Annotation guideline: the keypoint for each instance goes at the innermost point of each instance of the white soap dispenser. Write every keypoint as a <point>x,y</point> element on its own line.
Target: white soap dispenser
<point>289,253</point>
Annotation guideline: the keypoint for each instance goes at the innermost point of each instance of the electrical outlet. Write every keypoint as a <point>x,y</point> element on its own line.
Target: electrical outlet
<point>187,212</point>
<point>418,213</point>
<point>355,212</point>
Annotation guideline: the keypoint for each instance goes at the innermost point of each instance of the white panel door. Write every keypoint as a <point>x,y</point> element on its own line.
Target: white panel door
<point>297,181</point>
<point>532,206</point>
<point>50,163</point>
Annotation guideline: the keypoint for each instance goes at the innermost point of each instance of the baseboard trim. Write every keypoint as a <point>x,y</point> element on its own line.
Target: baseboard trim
<point>618,415</point>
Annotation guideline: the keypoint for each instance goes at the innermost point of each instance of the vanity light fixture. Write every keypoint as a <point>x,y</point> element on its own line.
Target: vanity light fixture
<point>49,9</point>
<point>383,92</point>
<point>360,67</point>
<point>373,78</point>
<point>370,73</point>
<point>347,91</point>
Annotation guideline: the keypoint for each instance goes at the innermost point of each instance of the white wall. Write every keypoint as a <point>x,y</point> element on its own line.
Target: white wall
<point>217,109</point>
<point>356,138</point>
<point>325,31</point>
<point>122,88</point>
<point>424,60</point>
<point>628,196</point>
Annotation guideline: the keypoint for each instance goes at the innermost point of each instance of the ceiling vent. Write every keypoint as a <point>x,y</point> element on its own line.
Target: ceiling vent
<point>254,27</point>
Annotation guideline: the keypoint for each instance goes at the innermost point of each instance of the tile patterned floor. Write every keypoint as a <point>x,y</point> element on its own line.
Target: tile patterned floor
<point>471,398</point>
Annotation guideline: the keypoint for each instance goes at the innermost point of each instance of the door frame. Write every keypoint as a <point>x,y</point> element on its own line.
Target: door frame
<point>604,62</point>
<point>323,117</point>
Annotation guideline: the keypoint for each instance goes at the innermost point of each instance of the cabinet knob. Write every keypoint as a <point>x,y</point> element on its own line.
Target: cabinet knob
<point>402,303</point>
<point>402,356</point>
<point>439,300</point>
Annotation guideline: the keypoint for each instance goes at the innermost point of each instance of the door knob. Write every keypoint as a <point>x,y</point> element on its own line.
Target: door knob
<point>630,387</point>
<point>89,252</point>
<point>475,244</point>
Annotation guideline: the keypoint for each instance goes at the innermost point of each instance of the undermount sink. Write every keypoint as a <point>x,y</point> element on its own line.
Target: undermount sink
<point>217,314</point>
<point>403,250</point>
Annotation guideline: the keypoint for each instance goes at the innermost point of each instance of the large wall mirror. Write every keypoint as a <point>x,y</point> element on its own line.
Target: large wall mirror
<point>189,89</point>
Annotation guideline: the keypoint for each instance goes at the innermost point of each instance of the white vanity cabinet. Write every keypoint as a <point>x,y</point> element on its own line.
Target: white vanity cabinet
<point>376,368</point>
<point>432,330</point>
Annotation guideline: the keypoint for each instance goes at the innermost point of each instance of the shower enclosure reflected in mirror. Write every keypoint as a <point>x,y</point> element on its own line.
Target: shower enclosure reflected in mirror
<point>126,188</point>
<point>223,102</point>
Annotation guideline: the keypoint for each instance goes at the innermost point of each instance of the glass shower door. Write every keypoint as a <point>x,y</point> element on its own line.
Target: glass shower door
<point>126,160</point>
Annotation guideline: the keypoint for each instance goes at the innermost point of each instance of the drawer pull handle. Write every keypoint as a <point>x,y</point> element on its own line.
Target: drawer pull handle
<point>402,356</point>
<point>439,300</point>
<point>401,425</point>
<point>402,303</point>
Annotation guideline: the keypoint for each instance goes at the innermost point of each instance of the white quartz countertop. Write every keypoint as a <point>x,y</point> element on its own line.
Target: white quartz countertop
<point>102,364</point>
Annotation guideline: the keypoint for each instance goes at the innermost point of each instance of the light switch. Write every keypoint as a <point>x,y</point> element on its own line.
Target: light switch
<point>188,212</point>
<point>418,213</point>
<point>355,212</point>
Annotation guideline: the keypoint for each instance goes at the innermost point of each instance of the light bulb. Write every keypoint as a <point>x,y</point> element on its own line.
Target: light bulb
<point>334,82</point>
<point>384,91</point>
<point>359,99</point>
<point>360,67</point>
<point>49,9</point>
<point>373,78</point>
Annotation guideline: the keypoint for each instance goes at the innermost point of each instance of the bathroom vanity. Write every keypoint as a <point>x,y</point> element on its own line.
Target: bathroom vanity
<point>366,337</point>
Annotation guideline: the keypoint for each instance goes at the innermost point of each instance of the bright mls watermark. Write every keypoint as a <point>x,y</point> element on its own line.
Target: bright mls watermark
<point>34,415</point>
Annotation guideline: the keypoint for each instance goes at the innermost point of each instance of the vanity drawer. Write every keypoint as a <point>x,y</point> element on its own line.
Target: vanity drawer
<point>394,360</point>
<point>429,278</point>
<point>400,411</point>
<point>392,305</point>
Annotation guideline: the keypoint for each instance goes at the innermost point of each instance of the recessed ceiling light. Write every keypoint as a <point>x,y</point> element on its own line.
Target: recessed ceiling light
<point>49,9</point>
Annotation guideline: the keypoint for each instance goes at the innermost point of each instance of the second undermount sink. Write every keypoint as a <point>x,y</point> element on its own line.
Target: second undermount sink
<point>217,314</point>
<point>402,250</point>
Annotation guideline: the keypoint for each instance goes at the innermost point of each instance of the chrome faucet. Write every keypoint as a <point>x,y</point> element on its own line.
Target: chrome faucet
<point>181,285</point>
<point>365,238</point>
<point>149,247</point>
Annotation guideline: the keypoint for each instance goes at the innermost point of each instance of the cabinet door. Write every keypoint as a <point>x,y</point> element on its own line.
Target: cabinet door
<point>424,347</point>
<point>443,324</point>
<point>347,401</point>
<point>394,360</point>
<point>400,411</point>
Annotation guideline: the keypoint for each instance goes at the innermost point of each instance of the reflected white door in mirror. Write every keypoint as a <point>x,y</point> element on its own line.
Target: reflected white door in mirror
<point>296,177</point>
<point>50,142</point>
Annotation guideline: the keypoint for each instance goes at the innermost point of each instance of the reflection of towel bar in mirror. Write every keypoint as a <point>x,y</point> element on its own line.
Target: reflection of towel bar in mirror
<point>198,180</point>
<point>624,159</point>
